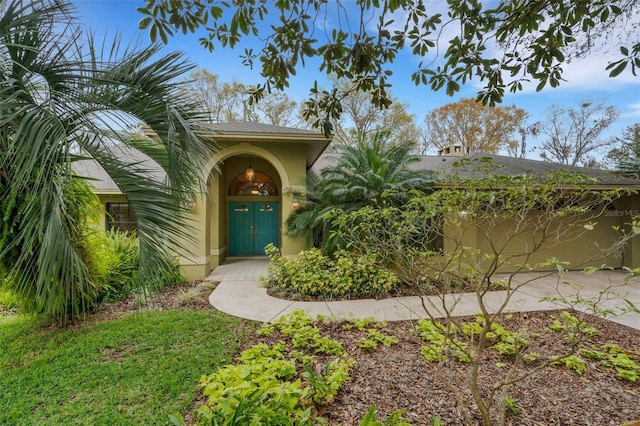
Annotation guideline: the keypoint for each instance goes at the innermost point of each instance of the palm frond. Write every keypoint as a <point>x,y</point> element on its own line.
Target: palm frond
<point>62,95</point>
<point>364,172</point>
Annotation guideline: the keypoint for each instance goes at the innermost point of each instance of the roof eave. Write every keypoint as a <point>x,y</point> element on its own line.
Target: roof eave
<point>595,187</point>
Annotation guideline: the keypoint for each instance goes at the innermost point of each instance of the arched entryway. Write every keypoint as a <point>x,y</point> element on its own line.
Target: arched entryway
<point>283,165</point>
<point>253,200</point>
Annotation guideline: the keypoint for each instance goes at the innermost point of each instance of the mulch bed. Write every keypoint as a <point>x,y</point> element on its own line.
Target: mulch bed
<point>399,377</point>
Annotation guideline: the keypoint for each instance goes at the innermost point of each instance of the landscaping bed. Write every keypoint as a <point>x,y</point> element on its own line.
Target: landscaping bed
<point>399,377</point>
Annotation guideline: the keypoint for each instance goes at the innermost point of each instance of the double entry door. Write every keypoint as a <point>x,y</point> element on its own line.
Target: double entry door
<point>252,225</point>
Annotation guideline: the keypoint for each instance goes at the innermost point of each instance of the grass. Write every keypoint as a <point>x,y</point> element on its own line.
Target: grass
<point>130,371</point>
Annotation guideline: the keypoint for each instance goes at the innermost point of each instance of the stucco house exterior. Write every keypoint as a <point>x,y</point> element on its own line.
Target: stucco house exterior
<point>580,251</point>
<point>239,215</point>
<point>259,167</point>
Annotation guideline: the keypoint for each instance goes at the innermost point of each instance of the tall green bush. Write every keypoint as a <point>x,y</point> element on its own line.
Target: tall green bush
<point>62,93</point>
<point>63,294</point>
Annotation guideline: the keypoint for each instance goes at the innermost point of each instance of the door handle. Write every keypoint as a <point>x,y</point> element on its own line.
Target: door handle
<point>253,231</point>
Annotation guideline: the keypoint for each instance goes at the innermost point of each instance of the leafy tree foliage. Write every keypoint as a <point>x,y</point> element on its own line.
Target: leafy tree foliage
<point>60,101</point>
<point>501,44</point>
<point>230,102</point>
<point>475,127</point>
<point>362,174</point>
<point>572,136</point>
<point>627,155</point>
<point>361,119</point>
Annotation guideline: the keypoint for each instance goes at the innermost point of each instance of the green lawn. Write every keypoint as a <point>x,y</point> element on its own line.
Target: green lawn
<point>132,371</point>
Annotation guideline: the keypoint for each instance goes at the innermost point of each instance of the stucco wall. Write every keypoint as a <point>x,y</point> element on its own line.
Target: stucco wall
<point>284,162</point>
<point>568,242</point>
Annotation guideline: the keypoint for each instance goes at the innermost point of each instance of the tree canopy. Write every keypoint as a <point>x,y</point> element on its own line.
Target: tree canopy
<point>230,102</point>
<point>627,154</point>
<point>502,45</point>
<point>361,119</point>
<point>572,135</point>
<point>473,126</point>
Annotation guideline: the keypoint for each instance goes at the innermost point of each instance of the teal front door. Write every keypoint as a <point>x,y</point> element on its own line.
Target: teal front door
<point>252,225</point>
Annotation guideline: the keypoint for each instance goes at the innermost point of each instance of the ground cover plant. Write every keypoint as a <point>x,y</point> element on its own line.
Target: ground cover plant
<point>394,379</point>
<point>131,363</point>
<point>392,372</point>
<point>313,275</point>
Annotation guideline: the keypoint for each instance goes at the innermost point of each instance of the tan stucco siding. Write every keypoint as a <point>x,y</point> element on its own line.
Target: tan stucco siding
<point>568,242</point>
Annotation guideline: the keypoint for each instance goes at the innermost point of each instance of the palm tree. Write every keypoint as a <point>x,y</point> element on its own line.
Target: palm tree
<point>63,98</point>
<point>363,174</point>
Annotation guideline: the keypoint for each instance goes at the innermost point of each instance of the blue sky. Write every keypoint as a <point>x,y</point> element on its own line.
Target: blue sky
<point>587,79</point>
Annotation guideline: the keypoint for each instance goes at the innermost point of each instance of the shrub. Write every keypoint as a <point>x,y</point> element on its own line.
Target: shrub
<point>7,300</point>
<point>314,275</point>
<point>119,263</point>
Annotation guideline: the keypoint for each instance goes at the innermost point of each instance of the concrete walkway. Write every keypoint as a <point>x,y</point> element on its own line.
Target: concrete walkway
<point>240,294</point>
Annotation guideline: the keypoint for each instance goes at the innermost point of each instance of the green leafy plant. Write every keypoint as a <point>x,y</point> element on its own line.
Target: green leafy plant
<point>511,406</point>
<point>572,362</point>
<point>435,421</point>
<point>323,388</point>
<point>394,419</point>
<point>8,302</point>
<point>506,342</point>
<point>375,337</point>
<point>442,341</point>
<point>117,263</point>
<point>621,361</point>
<point>313,275</point>
<point>361,323</point>
<point>572,326</point>
<point>261,387</point>
<point>592,354</point>
<point>279,383</point>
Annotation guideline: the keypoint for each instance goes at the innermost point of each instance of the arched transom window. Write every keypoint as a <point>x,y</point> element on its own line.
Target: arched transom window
<point>261,184</point>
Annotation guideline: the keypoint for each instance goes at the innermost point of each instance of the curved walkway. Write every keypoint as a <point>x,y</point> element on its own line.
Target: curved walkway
<point>240,294</point>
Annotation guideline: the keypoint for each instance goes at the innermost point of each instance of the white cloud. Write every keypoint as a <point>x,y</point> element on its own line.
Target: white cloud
<point>590,73</point>
<point>633,111</point>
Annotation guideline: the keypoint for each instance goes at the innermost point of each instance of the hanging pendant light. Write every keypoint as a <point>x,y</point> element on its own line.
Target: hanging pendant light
<point>250,173</point>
